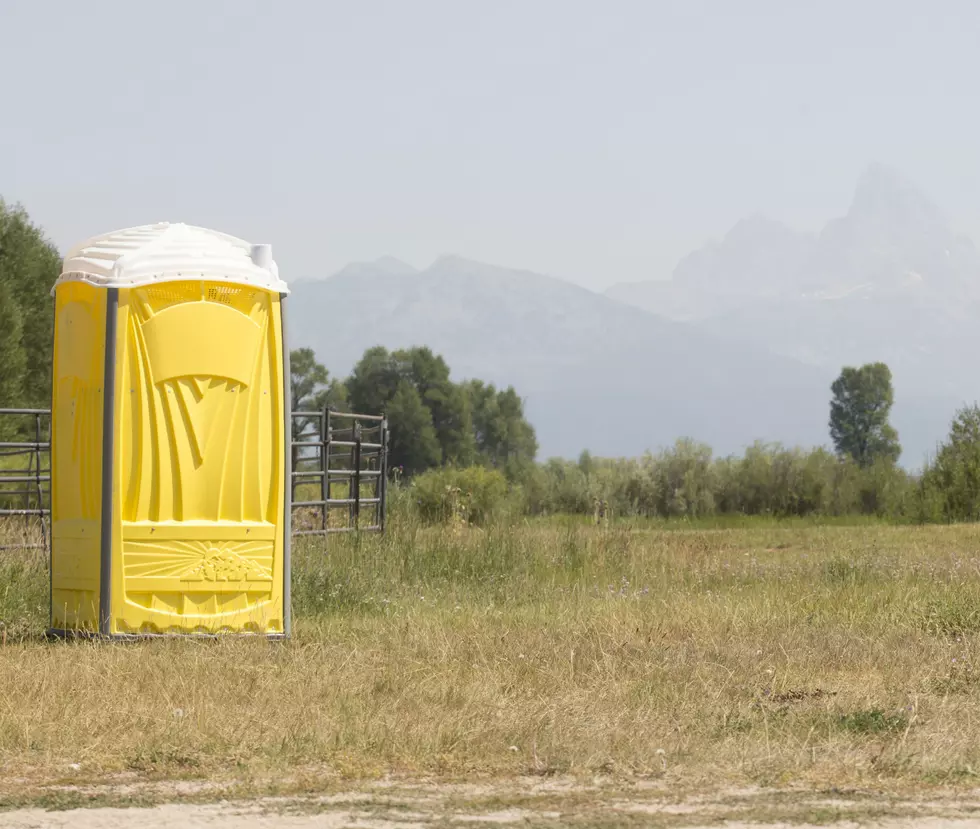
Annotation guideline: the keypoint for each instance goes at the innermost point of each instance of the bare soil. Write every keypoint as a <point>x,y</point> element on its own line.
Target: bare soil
<point>521,802</point>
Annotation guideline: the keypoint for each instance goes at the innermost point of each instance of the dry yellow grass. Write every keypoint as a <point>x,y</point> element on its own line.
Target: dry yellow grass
<point>795,655</point>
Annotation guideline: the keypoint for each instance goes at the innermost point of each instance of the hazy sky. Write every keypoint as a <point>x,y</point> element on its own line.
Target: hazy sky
<point>598,141</point>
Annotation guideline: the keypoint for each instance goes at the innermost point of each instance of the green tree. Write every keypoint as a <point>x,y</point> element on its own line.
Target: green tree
<point>951,483</point>
<point>414,445</point>
<point>311,389</point>
<point>29,266</point>
<point>13,358</point>
<point>436,421</point>
<point>504,438</point>
<point>447,402</point>
<point>859,427</point>
<point>373,381</point>
<point>381,381</point>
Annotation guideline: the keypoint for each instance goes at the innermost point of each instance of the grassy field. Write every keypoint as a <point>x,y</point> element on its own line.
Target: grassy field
<point>764,655</point>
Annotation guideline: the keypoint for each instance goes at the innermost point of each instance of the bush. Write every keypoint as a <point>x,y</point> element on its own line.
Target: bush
<point>473,495</point>
<point>950,488</point>
<point>686,482</point>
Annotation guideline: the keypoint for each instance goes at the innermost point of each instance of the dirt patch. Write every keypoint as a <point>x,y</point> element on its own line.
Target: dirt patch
<point>258,816</point>
<point>518,802</point>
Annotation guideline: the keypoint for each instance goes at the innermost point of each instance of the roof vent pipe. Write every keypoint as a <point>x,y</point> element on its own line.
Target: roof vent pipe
<point>262,256</point>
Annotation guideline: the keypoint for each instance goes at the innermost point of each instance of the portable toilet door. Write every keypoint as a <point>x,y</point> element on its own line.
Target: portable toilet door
<point>170,413</point>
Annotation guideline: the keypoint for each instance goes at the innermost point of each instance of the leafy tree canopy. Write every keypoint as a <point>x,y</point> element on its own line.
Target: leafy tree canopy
<point>29,266</point>
<point>436,421</point>
<point>504,438</point>
<point>952,480</point>
<point>859,427</point>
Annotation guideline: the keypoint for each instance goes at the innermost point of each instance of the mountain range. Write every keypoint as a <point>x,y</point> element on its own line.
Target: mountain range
<point>740,344</point>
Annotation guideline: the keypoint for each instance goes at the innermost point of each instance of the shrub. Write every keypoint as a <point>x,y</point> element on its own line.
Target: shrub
<point>472,495</point>
<point>685,481</point>
<point>951,484</point>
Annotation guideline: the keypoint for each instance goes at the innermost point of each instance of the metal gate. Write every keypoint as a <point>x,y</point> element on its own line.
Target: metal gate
<point>342,459</point>
<point>25,477</point>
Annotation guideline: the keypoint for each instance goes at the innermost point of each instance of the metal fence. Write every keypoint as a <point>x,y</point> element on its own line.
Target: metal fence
<point>338,481</point>
<point>25,473</point>
<point>342,459</point>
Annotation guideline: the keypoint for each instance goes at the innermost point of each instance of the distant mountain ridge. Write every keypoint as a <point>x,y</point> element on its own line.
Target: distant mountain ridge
<point>892,237</point>
<point>597,374</point>
<point>386,265</point>
<point>741,344</point>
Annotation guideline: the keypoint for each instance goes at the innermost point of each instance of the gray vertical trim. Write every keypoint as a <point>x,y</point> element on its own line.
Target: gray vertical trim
<point>287,501</point>
<point>51,467</point>
<point>108,459</point>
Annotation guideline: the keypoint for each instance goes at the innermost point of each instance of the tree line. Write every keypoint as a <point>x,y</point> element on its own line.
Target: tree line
<point>687,481</point>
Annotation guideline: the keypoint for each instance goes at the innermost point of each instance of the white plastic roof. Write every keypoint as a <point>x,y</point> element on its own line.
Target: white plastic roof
<point>168,252</point>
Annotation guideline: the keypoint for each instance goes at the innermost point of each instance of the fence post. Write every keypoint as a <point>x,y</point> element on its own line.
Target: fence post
<point>37,474</point>
<point>326,435</point>
<point>291,483</point>
<point>31,455</point>
<point>383,477</point>
<point>356,478</point>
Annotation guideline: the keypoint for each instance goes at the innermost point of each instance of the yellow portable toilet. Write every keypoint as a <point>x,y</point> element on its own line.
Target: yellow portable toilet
<point>169,445</point>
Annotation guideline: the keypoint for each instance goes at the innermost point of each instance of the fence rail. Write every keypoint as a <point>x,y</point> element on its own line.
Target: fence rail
<point>342,482</point>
